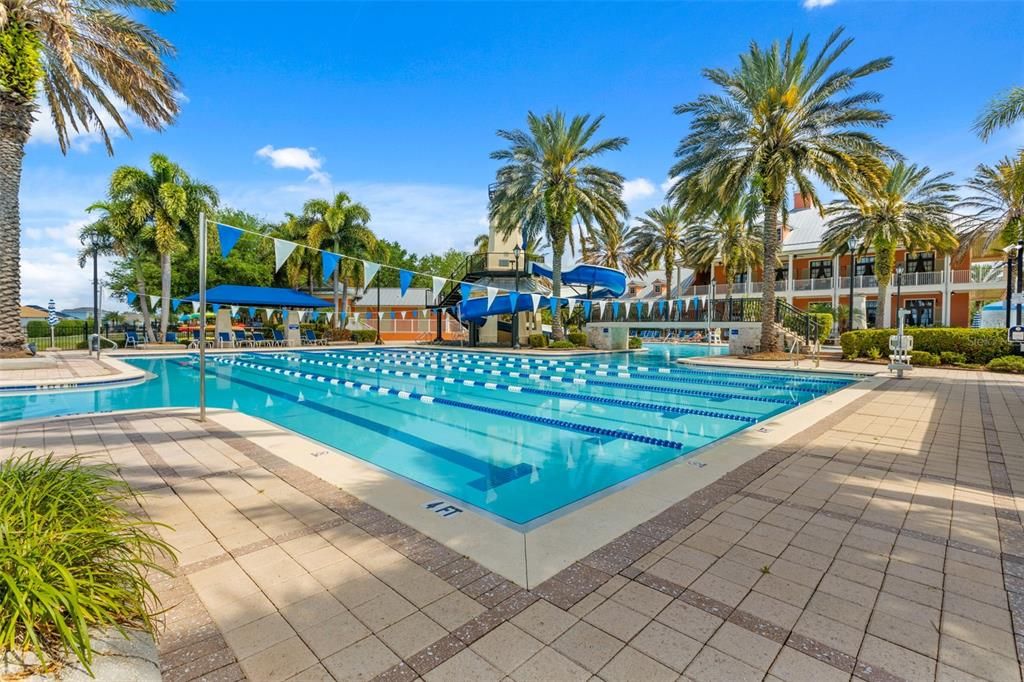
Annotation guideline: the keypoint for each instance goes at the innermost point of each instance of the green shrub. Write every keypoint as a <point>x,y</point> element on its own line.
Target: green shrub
<point>874,353</point>
<point>635,342</point>
<point>978,346</point>
<point>364,335</point>
<point>950,357</point>
<point>38,328</point>
<point>537,341</point>
<point>72,557</point>
<point>578,338</point>
<point>564,343</point>
<point>923,358</point>
<point>1008,363</point>
<point>795,323</point>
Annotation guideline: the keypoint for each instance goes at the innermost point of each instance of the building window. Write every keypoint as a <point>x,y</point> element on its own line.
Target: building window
<point>739,278</point>
<point>923,261</point>
<point>821,269</point>
<point>657,289</point>
<point>871,310</point>
<point>782,274</point>
<point>632,290</point>
<point>865,267</point>
<point>922,312</point>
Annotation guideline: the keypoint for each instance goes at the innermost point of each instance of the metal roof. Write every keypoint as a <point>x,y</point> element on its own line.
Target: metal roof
<point>267,297</point>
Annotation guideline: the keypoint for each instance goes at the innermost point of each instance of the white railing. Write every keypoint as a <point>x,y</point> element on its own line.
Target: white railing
<point>916,279</point>
<point>993,276</point>
<point>813,284</point>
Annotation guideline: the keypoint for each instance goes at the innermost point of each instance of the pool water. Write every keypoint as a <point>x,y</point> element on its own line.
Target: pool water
<point>517,436</point>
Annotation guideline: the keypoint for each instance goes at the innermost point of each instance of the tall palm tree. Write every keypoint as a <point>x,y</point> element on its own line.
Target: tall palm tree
<point>170,201</point>
<point>659,240</point>
<point>612,246</point>
<point>994,211</point>
<point>482,242</point>
<point>781,117</point>
<point>81,57</point>
<point>118,234</point>
<point>340,226</point>
<point>911,210</point>
<point>728,234</point>
<point>1002,112</point>
<point>301,265</point>
<point>549,180</point>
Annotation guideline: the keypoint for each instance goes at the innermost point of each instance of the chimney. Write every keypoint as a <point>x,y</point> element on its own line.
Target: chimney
<point>800,202</point>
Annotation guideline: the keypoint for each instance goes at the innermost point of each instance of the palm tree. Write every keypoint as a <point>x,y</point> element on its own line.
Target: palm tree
<point>170,201</point>
<point>911,210</point>
<point>117,234</point>
<point>81,57</point>
<point>302,263</point>
<point>659,240</point>
<point>549,181</point>
<point>612,246</point>
<point>1002,112</point>
<point>482,242</point>
<point>730,235</point>
<point>994,211</point>
<point>781,117</point>
<point>339,226</point>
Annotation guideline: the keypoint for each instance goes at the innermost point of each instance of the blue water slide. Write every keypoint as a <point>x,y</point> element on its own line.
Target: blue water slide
<point>475,309</point>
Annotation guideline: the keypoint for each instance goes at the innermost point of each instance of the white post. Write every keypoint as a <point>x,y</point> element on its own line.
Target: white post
<point>202,316</point>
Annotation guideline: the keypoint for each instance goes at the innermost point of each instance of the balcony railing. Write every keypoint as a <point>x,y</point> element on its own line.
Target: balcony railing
<point>814,284</point>
<point>994,276</point>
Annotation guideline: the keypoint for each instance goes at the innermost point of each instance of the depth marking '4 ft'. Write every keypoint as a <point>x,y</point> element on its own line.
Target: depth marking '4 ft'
<point>442,508</point>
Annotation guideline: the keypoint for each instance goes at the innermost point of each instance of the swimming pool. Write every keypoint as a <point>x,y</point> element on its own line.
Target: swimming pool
<point>519,437</point>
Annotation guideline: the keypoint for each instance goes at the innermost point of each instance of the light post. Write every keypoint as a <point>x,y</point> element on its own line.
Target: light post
<point>96,296</point>
<point>1020,276</point>
<point>852,243</point>
<point>899,283</point>
<point>517,251</point>
<point>1009,279</point>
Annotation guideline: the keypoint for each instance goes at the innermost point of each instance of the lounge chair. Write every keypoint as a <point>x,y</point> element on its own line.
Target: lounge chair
<point>131,338</point>
<point>259,340</point>
<point>278,337</point>
<point>172,337</point>
<point>311,339</point>
<point>224,340</point>
<point>240,339</point>
<point>194,343</point>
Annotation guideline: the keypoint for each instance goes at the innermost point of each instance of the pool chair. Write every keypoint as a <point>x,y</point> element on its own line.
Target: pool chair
<point>224,340</point>
<point>194,343</point>
<point>311,339</point>
<point>259,340</point>
<point>131,338</point>
<point>240,339</point>
<point>278,337</point>
<point>172,337</point>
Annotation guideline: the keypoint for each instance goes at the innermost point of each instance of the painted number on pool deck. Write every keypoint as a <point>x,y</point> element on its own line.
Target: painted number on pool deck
<point>442,508</point>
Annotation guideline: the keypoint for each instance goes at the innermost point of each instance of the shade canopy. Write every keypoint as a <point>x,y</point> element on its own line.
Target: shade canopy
<point>264,297</point>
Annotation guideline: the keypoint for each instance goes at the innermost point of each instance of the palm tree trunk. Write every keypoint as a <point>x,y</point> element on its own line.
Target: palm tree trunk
<point>769,337</point>
<point>15,123</point>
<point>885,260</point>
<point>165,294</point>
<point>557,248</point>
<point>668,276</point>
<point>140,283</point>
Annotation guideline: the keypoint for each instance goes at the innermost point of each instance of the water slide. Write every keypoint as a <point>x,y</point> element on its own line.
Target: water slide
<point>607,282</point>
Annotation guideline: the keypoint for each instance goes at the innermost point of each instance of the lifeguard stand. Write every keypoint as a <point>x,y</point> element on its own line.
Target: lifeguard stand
<point>900,347</point>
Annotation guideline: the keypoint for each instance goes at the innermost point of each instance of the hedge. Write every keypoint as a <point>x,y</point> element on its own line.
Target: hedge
<point>578,338</point>
<point>37,328</point>
<point>564,343</point>
<point>364,335</point>
<point>795,323</point>
<point>634,342</point>
<point>537,341</point>
<point>1010,363</point>
<point>978,346</point>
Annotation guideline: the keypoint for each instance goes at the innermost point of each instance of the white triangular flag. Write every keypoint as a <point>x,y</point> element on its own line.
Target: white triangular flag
<point>670,304</point>
<point>329,315</point>
<point>535,301</point>
<point>491,293</point>
<point>600,308</point>
<point>380,315</point>
<point>369,270</point>
<point>302,315</point>
<point>404,313</point>
<point>195,306</point>
<point>269,403</point>
<point>269,312</point>
<point>439,283</point>
<point>628,304</point>
<point>686,304</point>
<point>153,300</point>
<point>234,310</point>
<point>571,304</point>
<point>282,249</point>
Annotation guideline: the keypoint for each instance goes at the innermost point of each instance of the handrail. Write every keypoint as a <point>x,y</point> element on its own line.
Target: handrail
<point>477,262</point>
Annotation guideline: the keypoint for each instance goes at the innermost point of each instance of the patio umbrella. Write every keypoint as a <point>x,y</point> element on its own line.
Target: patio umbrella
<point>51,319</point>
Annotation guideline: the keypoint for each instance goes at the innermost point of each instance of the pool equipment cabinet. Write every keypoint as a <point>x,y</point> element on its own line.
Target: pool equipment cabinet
<point>900,347</point>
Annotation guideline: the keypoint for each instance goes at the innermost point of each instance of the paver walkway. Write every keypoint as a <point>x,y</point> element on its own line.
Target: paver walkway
<point>883,543</point>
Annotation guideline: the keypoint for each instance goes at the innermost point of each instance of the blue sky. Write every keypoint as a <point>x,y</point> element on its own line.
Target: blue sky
<point>397,104</point>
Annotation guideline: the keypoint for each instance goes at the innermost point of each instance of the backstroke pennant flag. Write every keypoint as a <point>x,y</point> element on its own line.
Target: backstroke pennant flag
<point>228,237</point>
<point>535,302</point>
<point>513,298</point>
<point>571,304</point>
<point>234,311</point>
<point>628,305</point>
<point>195,306</point>
<point>600,309</point>
<point>615,310</point>
<point>586,310</point>
<point>553,304</point>
<point>131,297</point>
<point>269,312</point>
<point>252,313</point>
<point>404,280</point>
<point>466,289</point>
<point>282,249</point>
<point>438,285</point>
<point>153,300</point>
<point>328,263</point>
<point>491,293</point>
<point>369,271</point>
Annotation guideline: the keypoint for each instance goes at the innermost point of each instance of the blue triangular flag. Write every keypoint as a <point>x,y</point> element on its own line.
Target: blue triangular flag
<point>314,314</point>
<point>175,303</point>
<point>513,298</point>
<point>252,313</point>
<point>228,236</point>
<point>344,314</point>
<point>414,314</point>
<point>328,263</point>
<point>392,314</point>
<point>586,310</point>
<point>696,303</point>
<point>615,310</point>
<point>466,289</point>
<point>368,314</point>
<point>404,280</point>
<point>131,297</point>
<point>661,307</point>
<point>553,304</point>
<point>216,307</point>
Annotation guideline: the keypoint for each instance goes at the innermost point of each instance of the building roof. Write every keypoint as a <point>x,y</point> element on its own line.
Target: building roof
<point>645,283</point>
<point>269,297</point>
<point>33,312</point>
<point>806,228</point>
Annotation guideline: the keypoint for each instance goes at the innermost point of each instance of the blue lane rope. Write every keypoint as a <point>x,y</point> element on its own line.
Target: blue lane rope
<point>554,378</point>
<point>429,399</point>
<point>602,400</point>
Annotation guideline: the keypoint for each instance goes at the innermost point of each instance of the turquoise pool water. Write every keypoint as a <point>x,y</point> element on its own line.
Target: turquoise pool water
<point>519,437</point>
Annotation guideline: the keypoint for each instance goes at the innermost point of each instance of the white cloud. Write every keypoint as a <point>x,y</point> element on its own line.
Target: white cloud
<point>44,132</point>
<point>815,4</point>
<point>299,158</point>
<point>637,189</point>
<point>667,185</point>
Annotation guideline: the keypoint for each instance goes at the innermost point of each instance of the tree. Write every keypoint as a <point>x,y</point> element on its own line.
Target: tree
<point>612,246</point>
<point>339,226</point>
<point>168,201</point>
<point>994,211</point>
<point>780,118</point>
<point>549,180</point>
<point>1002,112</point>
<point>82,58</point>
<point>482,242</point>
<point>910,209</point>
<point>727,234</point>
<point>117,233</point>
<point>302,263</point>
<point>659,240</point>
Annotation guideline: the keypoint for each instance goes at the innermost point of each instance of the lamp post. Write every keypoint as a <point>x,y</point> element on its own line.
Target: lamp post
<point>852,243</point>
<point>1009,279</point>
<point>1020,277</point>
<point>899,284</point>
<point>517,251</point>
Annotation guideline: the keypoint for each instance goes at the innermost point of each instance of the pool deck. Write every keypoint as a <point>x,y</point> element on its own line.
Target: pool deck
<point>884,541</point>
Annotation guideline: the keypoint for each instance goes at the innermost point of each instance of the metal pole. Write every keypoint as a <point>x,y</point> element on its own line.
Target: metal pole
<point>1009,286</point>
<point>853,269</point>
<point>378,342</point>
<point>202,316</point>
<point>515,315</point>
<point>96,299</point>
<point>1020,276</point>
<point>899,285</point>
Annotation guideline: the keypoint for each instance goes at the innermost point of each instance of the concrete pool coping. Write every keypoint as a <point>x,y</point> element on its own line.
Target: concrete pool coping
<point>118,372</point>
